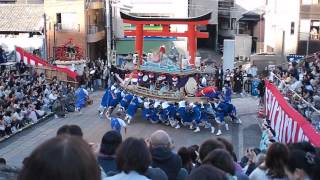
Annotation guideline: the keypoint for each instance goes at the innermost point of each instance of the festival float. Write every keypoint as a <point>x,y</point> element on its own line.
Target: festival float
<point>166,74</point>
<point>69,55</point>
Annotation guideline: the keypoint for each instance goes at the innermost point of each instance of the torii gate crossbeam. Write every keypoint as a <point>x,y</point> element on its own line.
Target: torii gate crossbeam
<point>192,34</point>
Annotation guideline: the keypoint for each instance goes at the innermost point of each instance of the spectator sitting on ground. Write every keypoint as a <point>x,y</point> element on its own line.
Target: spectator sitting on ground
<point>160,145</point>
<point>61,158</point>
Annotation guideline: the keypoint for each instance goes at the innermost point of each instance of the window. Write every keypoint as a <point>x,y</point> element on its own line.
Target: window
<point>58,18</point>
<point>314,29</point>
<point>292,28</point>
<point>67,22</point>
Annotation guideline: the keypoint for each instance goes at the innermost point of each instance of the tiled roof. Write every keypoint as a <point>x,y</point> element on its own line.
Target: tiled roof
<point>21,17</point>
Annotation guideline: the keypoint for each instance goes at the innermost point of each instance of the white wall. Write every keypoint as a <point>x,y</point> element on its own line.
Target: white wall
<point>278,18</point>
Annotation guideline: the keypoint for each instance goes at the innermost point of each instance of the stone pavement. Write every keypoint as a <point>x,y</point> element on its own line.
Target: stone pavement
<point>15,149</point>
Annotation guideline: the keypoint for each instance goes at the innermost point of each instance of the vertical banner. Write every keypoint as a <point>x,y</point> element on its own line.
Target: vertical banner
<point>36,61</point>
<point>290,126</point>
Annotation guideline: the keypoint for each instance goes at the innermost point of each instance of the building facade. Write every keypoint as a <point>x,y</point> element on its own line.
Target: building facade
<point>77,25</point>
<point>201,7</point>
<point>241,17</point>
<point>292,26</point>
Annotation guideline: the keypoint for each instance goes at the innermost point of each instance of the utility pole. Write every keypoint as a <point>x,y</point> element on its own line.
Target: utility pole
<point>308,42</point>
<point>54,40</point>
<point>45,37</point>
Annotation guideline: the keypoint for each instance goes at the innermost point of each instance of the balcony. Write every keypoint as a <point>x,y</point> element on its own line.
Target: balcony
<point>95,33</point>
<point>95,4</point>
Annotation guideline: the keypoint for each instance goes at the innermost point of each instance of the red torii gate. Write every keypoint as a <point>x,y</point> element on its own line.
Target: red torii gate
<point>192,34</point>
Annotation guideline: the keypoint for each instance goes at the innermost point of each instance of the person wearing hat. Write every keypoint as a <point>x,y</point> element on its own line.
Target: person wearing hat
<point>155,112</point>
<point>146,110</point>
<point>183,114</point>
<point>125,101</point>
<point>164,114</point>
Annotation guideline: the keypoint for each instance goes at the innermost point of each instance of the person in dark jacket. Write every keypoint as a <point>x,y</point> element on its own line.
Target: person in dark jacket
<point>160,145</point>
<point>106,157</point>
<point>238,81</point>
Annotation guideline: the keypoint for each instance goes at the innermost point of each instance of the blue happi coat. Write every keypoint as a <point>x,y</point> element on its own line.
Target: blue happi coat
<point>81,98</point>
<point>126,101</point>
<point>224,109</point>
<point>154,115</point>
<point>115,124</point>
<point>184,115</point>
<point>105,99</point>
<point>114,98</point>
<point>172,111</point>
<point>133,106</point>
<point>227,94</point>
<point>196,113</point>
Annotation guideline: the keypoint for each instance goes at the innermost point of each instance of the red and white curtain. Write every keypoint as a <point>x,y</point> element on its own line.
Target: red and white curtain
<point>33,60</point>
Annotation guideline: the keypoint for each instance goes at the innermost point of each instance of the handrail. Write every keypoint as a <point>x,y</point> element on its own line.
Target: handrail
<point>295,93</point>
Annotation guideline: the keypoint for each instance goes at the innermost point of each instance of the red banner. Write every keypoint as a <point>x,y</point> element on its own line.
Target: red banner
<point>36,61</point>
<point>290,126</point>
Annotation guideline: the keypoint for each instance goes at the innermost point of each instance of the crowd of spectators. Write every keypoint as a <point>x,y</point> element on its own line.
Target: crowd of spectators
<point>300,85</point>
<point>68,156</point>
<point>26,96</point>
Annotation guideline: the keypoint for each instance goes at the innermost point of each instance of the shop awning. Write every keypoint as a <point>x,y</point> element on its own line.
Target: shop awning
<point>127,46</point>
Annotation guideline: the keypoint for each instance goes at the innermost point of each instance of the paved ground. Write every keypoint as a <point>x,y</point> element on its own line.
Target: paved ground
<point>18,147</point>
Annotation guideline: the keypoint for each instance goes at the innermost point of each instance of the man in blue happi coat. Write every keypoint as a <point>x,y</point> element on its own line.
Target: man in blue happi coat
<point>125,101</point>
<point>132,108</point>
<point>223,109</point>
<point>115,97</point>
<point>227,93</point>
<point>81,97</point>
<point>184,114</point>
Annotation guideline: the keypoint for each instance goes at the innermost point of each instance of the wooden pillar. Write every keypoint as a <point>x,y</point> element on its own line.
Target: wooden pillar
<point>192,43</point>
<point>139,42</point>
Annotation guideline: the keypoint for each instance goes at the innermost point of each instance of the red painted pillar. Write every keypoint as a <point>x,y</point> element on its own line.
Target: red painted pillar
<point>192,43</point>
<point>139,41</point>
